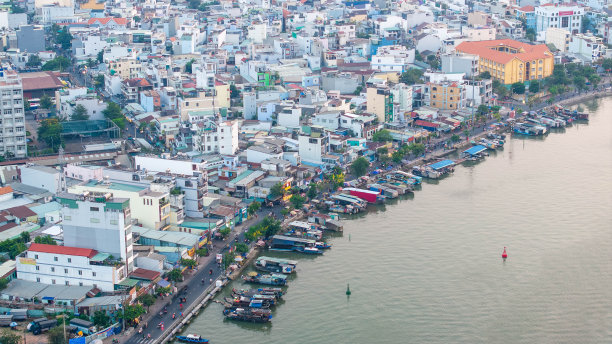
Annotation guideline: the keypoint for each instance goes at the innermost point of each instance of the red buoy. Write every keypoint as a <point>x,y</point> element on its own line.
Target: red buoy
<point>504,255</point>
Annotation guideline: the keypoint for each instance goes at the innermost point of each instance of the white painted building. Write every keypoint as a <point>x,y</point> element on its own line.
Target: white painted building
<point>482,33</point>
<point>51,14</point>
<point>219,138</point>
<point>257,154</point>
<point>13,134</point>
<point>84,172</point>
<point>587,46</point>
<point>568,17</point>
<point>313,147</point>
<point>392,58</point>
<point>88,46</point>
<point>156,164</point>
<point>65,265</point>
<point>43,177</point>
<point>100,222</point>
<point>560,38</point>
<point>257,32</point>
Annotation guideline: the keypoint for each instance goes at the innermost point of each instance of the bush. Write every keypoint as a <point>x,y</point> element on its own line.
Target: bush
<point>242,248</point>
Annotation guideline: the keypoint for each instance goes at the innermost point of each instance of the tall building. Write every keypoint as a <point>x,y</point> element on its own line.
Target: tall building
<point>100,222</point>
<point>510,61</point>
<point>12,118</point>
<point>380,102</point>
<point>446,95</point>
<point>568,17</point>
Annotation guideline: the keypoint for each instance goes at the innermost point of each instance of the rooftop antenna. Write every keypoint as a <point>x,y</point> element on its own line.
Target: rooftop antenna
<point>62,160</point>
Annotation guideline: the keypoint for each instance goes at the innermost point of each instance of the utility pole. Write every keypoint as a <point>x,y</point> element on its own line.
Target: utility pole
<point>64,322</point>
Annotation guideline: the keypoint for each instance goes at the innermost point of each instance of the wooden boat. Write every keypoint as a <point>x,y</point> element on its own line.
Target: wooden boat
<point>243,301</point>
<point>261,293</point>
<point>271,279</point>
<point>191,338</point>
<point>247,315</point>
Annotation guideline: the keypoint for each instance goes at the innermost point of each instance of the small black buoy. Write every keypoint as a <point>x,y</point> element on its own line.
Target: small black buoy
<point>348,289</point>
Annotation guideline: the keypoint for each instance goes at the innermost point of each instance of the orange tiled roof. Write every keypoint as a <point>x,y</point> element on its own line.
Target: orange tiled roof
<point>5,189</point>
<point>527,8</point>
<point>104,21</point>
<point>527,52</point>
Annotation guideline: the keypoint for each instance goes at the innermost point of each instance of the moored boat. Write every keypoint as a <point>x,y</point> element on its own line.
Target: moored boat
<point>191,338</point>
<point>246,314</point>
<point>271,279</point>
<point>276,265</point>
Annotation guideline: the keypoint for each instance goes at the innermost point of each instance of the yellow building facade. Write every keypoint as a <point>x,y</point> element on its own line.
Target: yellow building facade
<point>511,61</point>
<point>446,96</point>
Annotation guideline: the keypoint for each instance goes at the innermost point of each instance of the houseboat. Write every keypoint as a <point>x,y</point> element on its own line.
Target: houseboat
<point>384,190</point>
<point>344,200</point>
<point>272,279</point>
<point>192,338</point>
<point>275,265</point>
<point>405,177</point>
<point>529,129</point>
<point>293,244</point>
<point>426,172</point>
<point>247,314</point>
<point>474,153</point>
<point>437,169</point>
<point>366,195</point>
<point>243,301</point>
<point>325,221</point>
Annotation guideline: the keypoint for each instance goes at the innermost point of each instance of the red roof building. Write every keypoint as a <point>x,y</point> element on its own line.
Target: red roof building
<point>63,250</point>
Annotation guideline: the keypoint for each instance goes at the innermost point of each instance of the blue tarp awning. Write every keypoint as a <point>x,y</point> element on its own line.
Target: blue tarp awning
<point>49,298</point>
<point>163,283</point>
<point>442,164</point>
<point>475,150</point>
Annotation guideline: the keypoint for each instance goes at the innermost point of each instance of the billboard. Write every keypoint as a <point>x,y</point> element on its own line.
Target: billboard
<point>27,261</point>
<point>566,13</point>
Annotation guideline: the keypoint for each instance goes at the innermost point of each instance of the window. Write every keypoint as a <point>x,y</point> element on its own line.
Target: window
<point>93,274</point>
<point>67,283</point>
<point>80,272</point>
<point>113,222</point>
<point>35,256</point>
<point>94,220</point>
<point>65,271</point>
<point>55,259</point>
<point>52,281</point>
<point>67,217</point>
<point>69,260</point>
<point>80,284</point>
<point>37,279</point>
<point>52,269</point>
<point>37,268</point>
<point>94,209</point>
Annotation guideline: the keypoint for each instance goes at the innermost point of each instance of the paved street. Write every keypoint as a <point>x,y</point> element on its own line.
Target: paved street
<point>192,287</point>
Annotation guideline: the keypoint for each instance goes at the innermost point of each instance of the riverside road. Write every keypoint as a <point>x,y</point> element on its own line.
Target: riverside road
<point>191,288</point>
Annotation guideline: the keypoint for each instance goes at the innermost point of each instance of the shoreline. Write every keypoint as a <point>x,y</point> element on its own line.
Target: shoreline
<point>207,296</point>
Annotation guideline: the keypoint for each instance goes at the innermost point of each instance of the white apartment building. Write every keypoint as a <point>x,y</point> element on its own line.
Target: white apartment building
<point>219,138</point>
<point>560,38</point>
<point>483,33</point>
<point>175,166</point>
<point>44,177</point>
<point>12,118</point>
<point>66,265</point>
<point>150,208</point>
<point>587,46</point>
<point>564,17</point>
<point>99,221</point>
<point>257,32</point>
<point>402,97</point>
<point>312,148</point>
<point>392,58</point>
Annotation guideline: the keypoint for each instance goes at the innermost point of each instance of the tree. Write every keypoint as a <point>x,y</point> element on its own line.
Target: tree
<point>518,88</point>
<point>202,252</point>
<point>312,191</point>
<point>242,247</point>
<point>79,113</point>
<point>416,148</point>
<point>284,211</point>
<point>3,284</point>
<point>46,102</point>
<point>33,61</point>
<point>194,4</point>
<point>24,237</point>
<point>606,64</point>
<point>100,56</point>
<point>9,337</point>
<point>277,190</point>
<point>175,275</point>
<point>137,19</point>
<point>189,66</point>
<point>382,136</point>
<point>56,336</point>
<point>534,87</point>
<point>60,63</point>
<point>101,319</point>
<point>455,138</point>
<point>225,231</point>
<point>397,156</point>
<point>45,239</point>
<point>482,110</point>
<point>26,105</point>
<point>432,60</point>
<point>113,112</point>
<point>50,132</point>
<point>234,92</point>
<point>190,263</point>
<point>484,75</point>
<point>530,34</point>
<point>297,200</point>
<point>228,259</point>
<point>411,76</point>
<point>99,81</point>
<point>132,312</point>
<point>580,82</point>
<point>64,39</point>
<point>163,290</point>
<point>253,208</point>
